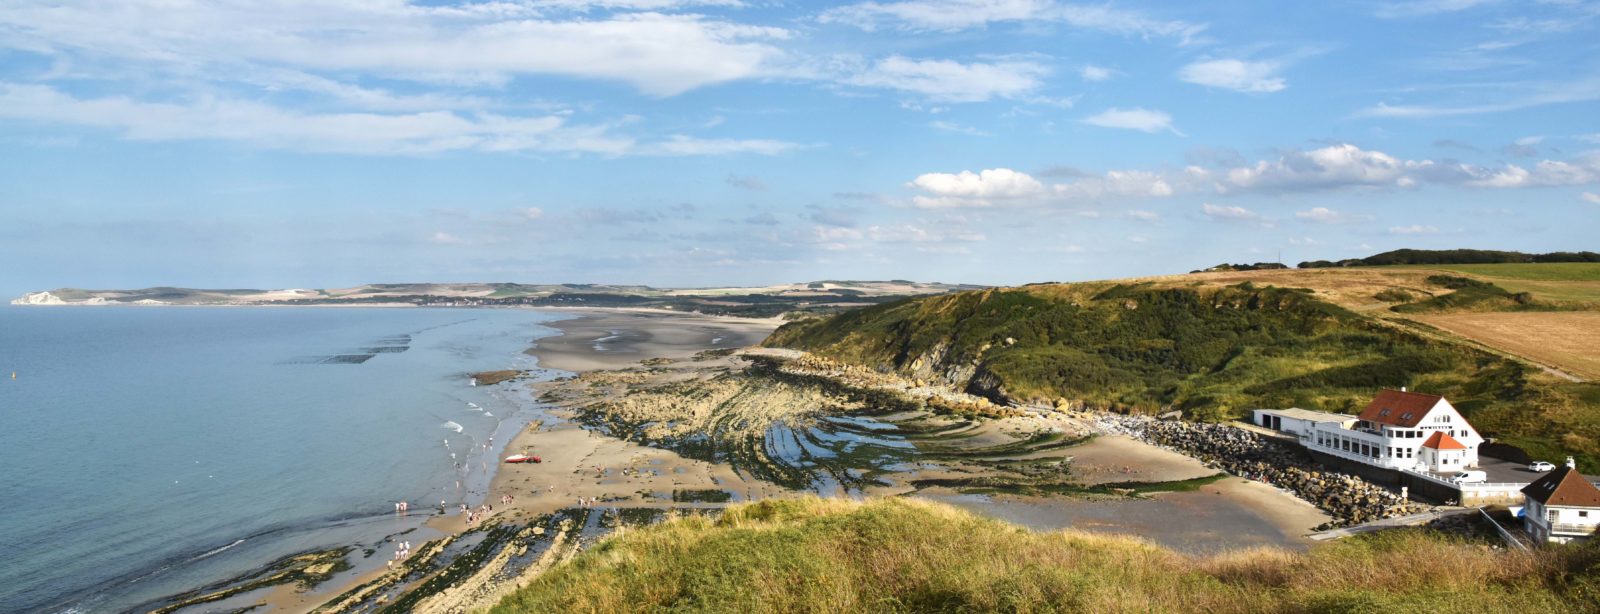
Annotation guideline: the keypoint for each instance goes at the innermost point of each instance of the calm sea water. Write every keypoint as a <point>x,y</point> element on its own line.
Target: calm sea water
<point>146,451</point>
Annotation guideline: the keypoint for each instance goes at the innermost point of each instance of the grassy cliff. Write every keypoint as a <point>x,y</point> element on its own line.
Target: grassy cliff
<point>903,555</point>
<point>1213,351</point>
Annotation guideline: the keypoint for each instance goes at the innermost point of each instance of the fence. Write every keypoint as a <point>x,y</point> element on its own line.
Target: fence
<point>1504,534</point>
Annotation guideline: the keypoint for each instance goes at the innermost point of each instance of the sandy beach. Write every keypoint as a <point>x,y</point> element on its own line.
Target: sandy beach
<point>618,355</point>
<point>580,462</point>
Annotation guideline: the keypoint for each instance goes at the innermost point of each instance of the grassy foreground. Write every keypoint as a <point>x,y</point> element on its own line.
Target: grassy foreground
<point>901,555</point>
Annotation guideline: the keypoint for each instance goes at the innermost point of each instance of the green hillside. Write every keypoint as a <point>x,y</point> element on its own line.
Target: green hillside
<point>1214,352</point>
<point>903,555</point>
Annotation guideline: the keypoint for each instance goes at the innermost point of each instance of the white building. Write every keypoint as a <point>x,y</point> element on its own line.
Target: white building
<point>1398,430</point>
<point>1562,506</point>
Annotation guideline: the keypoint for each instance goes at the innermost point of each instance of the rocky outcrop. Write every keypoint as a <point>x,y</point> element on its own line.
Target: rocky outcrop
<point>1349,499</point>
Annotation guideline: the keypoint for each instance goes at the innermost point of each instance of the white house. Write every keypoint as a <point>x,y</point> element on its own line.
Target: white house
<point>1398,430</point>
<point>1562,506</point>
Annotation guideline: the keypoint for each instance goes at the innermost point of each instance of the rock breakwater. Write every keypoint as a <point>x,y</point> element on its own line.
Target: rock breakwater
<point>1349,499</point>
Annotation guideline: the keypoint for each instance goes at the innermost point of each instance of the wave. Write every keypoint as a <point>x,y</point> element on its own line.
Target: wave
<point>451,424</point>
<point>217,551</point>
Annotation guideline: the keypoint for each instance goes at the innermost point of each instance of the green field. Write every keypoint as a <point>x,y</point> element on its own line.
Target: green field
<point>1213,353</point>
<point>1528,271</point>
<point>1556,281</point>
<point>905,555</point>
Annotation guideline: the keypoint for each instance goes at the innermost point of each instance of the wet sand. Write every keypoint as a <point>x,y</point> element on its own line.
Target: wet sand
<point>607,470</point>
<point>614,339</point>
<point>1228,514</point>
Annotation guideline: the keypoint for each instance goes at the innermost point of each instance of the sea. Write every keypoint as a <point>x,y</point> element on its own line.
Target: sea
<point>147,451</point>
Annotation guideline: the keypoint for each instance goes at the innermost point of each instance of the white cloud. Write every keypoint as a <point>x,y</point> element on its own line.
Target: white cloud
<point>1115,183</point>
<point>1303,241</point>
<point>680,145</point>
<point>1324,215</point>
<point>1419,8</point>
<point>532,213</point>
<point>1094,73</point>
<point>484,42</point>
<point>951,81</point>
<point>1143,120</point>
<point>1236,75</point>
<point>911,233</point>
<point>953,15</point>
<point>445,238</point>
<point>1332,166</point>
<point>1148,216</point>
<point>968,189</point>
<point>1414,229</point>
<point>1521,96</point>
<point>1591,197</point>
<point>1228,213</point>
<point>412,133</point>
<point>952,127</point>
<point>1335,167</point>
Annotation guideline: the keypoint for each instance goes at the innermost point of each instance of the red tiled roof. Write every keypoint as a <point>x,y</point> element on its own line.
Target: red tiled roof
<point>1564,486</point>
<point>1442,441</point>
<point>1403,409</point>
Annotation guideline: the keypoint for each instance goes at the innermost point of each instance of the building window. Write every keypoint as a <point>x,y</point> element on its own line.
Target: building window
<point>1583,513</point>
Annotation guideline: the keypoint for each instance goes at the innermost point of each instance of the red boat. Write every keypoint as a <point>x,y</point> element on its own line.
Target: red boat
<point>523,458</point>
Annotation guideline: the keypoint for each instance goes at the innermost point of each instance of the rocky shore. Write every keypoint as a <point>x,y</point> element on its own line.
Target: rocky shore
<point>1349,499</point>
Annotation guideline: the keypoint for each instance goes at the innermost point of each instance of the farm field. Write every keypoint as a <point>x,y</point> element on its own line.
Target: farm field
<point>1569,341</point>
<point>1554,281</point>
<point>1530,271</point>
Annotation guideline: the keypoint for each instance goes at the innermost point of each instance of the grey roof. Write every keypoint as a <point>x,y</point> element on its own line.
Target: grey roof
<point>1310,416</point>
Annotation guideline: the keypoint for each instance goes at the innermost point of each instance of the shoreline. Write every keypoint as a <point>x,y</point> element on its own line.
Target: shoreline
<point>615,475</point>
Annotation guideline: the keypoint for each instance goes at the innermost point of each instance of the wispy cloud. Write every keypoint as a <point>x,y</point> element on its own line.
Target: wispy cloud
<point>952,81</point>
<point>1096,74</point>
<point>1324,215</point>
<point>745,183</point>
<point>1236,75</point>
<point>272,127</point>
<point>1414,229</point>
<point>954,15</point>
<point>1228,213</point>
<point>1521,96</point>
<point>1421,8</point>
<point>403,40</point>
<point>1143,120</point>
<point>954,128</point>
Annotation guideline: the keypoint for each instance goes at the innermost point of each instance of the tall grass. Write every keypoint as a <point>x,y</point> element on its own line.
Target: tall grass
<point>902,555</point>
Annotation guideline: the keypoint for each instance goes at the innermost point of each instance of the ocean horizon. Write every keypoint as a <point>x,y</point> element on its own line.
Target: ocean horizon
<point>154,450</point>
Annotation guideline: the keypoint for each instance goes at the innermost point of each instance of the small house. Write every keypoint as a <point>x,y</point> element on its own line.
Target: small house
<point>1562,506</point>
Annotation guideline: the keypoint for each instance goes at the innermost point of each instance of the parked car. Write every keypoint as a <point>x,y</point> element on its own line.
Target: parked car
<point>1469,477</point>
<point>1541,466</point>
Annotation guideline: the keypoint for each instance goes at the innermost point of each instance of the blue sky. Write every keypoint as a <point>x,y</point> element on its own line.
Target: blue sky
<point>297,143</point>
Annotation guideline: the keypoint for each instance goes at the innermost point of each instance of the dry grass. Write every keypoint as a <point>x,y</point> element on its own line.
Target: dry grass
<point>1569,341</point>
<point>899,555</point>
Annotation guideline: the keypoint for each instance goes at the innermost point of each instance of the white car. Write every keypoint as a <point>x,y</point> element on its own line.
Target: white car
<point>1469,477</point>
<point>1541,466</point>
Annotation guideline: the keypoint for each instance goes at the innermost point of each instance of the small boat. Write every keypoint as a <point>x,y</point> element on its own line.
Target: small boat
<point>523,458</point>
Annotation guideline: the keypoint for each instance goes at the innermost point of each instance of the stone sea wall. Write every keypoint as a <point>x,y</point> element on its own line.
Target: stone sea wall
<point>1349,499</point>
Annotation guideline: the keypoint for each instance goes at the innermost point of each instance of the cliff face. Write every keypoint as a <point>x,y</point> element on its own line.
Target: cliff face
<point>38,298</point>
